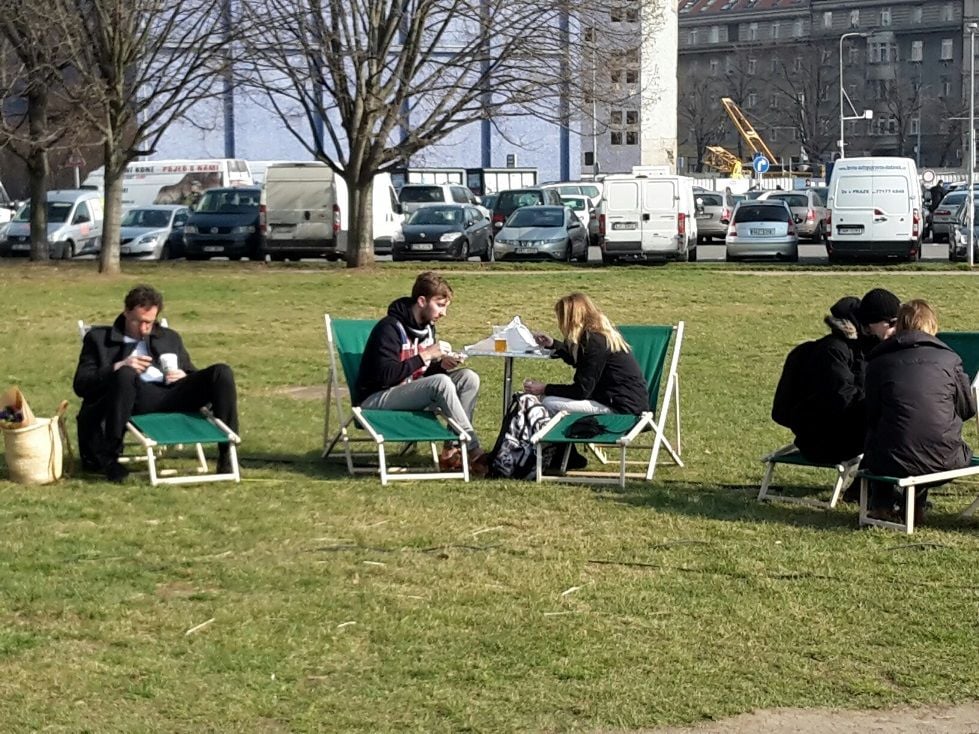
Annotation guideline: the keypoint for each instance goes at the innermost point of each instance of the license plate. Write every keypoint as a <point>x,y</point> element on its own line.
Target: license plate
<point>625,225</point>
<point>423,247</point>
<point>20,247</point>
<point>762,232</point>
<point>849,230</point>
<point>527,250</point>
<point>214,248</point>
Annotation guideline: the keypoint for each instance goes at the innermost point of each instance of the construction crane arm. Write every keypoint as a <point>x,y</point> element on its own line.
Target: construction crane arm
<point>751,137</point>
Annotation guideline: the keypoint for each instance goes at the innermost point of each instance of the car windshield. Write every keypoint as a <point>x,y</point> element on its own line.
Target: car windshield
<point>228,202</point>
<point>577,205</point>
<point>421,194</point>
<point>956,197</point>
<point>591,191</point>
<point>761,213</point>
<point>536,217</point>
<point>510,200</point>
<point>792,199</point>
<point>156,218</point>
<point>58,212</point>
<point>489,200</point>
<point>711,199</point>
<point>436,215</point>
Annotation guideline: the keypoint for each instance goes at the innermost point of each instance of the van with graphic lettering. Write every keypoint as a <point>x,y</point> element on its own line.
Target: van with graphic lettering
<point>173,181</point>
<point>873,210</point>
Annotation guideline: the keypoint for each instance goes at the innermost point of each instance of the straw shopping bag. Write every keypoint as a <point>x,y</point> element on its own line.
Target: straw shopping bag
<point>35,452</point>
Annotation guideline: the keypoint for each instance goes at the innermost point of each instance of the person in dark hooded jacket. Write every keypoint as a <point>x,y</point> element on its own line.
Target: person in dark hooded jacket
<point>917,396</point>
<point>820,394</point>
<point>405,367</point>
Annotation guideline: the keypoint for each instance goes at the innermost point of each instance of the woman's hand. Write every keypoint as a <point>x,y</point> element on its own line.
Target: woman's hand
<point>533,387</point>
<point>543,340</point>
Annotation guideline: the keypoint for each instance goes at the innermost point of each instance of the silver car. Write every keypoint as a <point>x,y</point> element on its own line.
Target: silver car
<point>762,229</point>
<point>957,244</point>
<point>713,214</point>
<point>153,232</point>
<point>585,210</point>
<point>542,232</point>
<point>943,217</point>
<point>808,211</point>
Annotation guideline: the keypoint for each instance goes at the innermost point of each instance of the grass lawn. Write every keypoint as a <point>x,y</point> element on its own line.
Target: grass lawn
<point>341,605</point>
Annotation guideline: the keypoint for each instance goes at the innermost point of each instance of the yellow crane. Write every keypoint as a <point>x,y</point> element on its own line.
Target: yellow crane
<point>723,160</point>
<point>748,132</point>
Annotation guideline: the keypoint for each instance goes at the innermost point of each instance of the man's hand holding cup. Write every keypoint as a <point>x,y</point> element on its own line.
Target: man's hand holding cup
<point>168,365</point>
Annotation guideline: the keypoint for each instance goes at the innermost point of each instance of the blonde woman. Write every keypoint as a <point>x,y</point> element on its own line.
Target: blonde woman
<point>917,397</point>
<point>607,378</point>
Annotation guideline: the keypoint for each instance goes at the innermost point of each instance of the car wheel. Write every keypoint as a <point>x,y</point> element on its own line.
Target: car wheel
<point>692,255</point>
<point>608,259</point>
<point>464,251</point>
<point>728,257</point>
<point>67,250</point>
<point>236,258</point>
<point>794,257</point>
<point>165,252</point>
<point>486,255</point>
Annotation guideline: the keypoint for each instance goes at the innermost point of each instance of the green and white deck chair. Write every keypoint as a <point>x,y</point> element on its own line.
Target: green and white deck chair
<point>791,456</point>
<point>966,345</point>
<point>651,348</point>
<point>346,340</point>
<point>156,432</point>
<point>909,486</point>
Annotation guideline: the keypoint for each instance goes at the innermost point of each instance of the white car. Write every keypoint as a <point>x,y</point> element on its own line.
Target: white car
<point>586,212</point>
<point>153,232</point>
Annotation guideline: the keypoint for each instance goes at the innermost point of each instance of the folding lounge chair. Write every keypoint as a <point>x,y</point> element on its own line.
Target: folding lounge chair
<point>348,338</point>
<point>650,346</point>
<point>156,432</point>
<point>910,485</point>
<point>790,455</point>
<point>966,345</point>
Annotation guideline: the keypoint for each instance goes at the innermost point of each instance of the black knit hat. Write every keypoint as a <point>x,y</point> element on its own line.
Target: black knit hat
<point>846,308</point>
<point>878,305</point>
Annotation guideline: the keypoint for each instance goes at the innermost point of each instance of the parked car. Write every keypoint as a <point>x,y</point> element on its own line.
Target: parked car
<point>586,212</point>
<point>943,218</point>
<point>74,225</point>
<point>444,232</point>
<point>762,229</point>
<point>957,245</point>
<point>713,214</point>
<point>415,195</point>
<point>808,211</point>
<point>510,200</point>
<point>591,189</point>
<point>488,201</point>
<point>153,232</point>
<point>542,232</point>
<point>224,223</point>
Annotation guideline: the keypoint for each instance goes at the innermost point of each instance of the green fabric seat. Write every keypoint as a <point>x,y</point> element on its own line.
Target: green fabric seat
<point>346,340</point>
<point>171,429</point>
<point>844,470</point>
<point>650,345</point>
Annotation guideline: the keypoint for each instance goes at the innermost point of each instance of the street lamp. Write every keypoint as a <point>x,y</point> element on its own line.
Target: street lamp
<point>867,114</point>
<point>972,141</point>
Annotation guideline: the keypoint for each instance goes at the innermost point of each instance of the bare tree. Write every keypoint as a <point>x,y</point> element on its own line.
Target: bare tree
<point>902,100</point>
<point>808,84</point>
<point>702,116</point>
<point>141,65</point>
<point>34,65</point>
<point>365,84</point>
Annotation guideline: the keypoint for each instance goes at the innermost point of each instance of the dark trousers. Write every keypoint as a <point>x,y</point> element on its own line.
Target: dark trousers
<point>102,419</point>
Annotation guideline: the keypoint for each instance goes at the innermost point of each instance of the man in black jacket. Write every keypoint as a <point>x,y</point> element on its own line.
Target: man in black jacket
<point>120,374</point>
<point>918,396</point>
<point>405,367</point>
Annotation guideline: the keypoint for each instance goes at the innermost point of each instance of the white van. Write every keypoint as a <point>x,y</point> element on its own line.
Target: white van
<point>305,212</point>
<point>648,217</point>
<point>173,182</point>
<point>873,209</point>
<point>74,225</point>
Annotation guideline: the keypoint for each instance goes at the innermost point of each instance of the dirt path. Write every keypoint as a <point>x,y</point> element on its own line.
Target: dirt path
<point>961,719</point>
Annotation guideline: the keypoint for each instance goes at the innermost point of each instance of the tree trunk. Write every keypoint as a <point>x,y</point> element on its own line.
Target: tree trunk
<point>115,168</point>
<point>38,171</point>
<point>360,238</point>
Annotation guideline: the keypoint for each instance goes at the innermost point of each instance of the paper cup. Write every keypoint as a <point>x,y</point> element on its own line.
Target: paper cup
<point>168,362</point>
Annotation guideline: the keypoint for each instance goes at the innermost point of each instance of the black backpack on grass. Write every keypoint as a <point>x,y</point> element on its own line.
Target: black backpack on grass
<point>514,456</point>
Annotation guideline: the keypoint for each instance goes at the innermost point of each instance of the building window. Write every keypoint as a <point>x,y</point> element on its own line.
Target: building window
<point>589,158</point>
<point>916,14</point>
<point>631,14</point>
<point>752,101</point>
<point>826,56</point>
<point>828,19</point>
<point>946,88</point>
<point>692,37</point>
<point>714,66</point>
<point>752,66</point>
<point>775,29</point>
<point>615,118</point>
<point>632,117</point>
<point>773,102</point>
<point>632,138</point>
<point>615,76</point>
<point>752,32</point>
<point>728,65</point>
<point>631,76</point>
<point>774,65</point>
<point>853,55</point>
<point>854,18</point>
<point>797,64</point>
<point>797,29</point>
<point>946,49</point>
<point>916,50</point>
<point>948,12</point>
<point>885,16</point>
<point>881,52</point>
<point>615,138</point>
<point>713,34</point>
<point>915,125</point>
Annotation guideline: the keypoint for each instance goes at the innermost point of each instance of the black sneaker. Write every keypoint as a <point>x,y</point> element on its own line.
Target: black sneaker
<point>224,465</point>
<point>576,461</point>
<point>116,472</point>
<point>851,494</point>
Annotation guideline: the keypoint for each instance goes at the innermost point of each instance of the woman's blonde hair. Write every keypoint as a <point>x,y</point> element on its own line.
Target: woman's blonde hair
<point>577,314</point>
<point>917,315</point>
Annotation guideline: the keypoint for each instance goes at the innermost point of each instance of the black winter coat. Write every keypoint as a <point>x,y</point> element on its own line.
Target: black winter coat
<point>917,398</point>
<point>610,378</point>
<point>103,346</point>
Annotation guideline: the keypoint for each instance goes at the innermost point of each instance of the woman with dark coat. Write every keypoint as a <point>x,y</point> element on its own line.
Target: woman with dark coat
<point>917,397</point>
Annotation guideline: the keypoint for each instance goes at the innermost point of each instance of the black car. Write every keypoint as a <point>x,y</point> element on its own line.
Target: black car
<point>507,202</point>
<point>225,222</point>
<point>444,232</point>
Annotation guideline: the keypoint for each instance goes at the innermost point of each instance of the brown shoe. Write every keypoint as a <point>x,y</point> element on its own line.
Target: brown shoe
<point>479,464</point>
<point>450,460</point>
